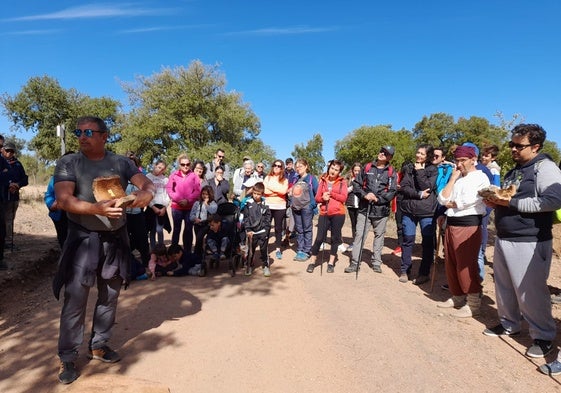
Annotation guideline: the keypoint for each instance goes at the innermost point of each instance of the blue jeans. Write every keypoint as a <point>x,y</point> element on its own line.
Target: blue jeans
<point>180,216</point>
<point>303,223</point>
<point>427,231</point>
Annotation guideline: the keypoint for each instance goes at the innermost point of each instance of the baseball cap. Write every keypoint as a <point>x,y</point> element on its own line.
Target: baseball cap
<point>388,149</point>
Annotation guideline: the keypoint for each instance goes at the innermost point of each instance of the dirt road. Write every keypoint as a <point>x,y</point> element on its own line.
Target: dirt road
<point>292,332</point>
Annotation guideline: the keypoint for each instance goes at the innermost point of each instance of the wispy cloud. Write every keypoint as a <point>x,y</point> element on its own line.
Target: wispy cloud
<point>95,11</point>
<point>31,32</point>
<point>296,30</point>
<point>159,28</point>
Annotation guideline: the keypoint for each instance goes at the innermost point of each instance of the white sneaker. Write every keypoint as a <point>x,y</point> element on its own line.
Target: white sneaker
<point>266,272</point>
<point>342,247</point>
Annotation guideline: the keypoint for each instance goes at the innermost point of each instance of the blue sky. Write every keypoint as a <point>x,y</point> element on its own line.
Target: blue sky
<point>305,67</point>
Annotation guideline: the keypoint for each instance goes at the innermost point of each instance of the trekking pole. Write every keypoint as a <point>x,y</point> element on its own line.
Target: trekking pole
<point>364,231</point>
<point>321,263</point>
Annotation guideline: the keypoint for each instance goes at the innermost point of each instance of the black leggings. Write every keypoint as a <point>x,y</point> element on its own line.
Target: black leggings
<point>335,223</point>
<point>278,216</point>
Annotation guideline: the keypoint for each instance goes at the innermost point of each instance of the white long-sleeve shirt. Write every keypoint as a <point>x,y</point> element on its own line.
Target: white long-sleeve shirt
<point>465,195</point>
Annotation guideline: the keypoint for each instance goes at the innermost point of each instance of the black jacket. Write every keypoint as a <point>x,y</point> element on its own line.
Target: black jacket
<point>415,181</point>
<point>381,183</point>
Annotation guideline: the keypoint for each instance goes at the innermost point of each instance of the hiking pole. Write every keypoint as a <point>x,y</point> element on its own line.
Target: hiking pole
<point>364,231</point>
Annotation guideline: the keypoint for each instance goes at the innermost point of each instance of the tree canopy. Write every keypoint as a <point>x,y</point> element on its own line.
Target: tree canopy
<point>42,104</point>
<point>186,109</point>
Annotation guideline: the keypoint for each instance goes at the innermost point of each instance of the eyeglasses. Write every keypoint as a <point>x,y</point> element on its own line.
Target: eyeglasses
<point>261,166</point>
<point>185,164</point>
<point>518,146</point>
<point>87,132</point>
<point>277,166</point>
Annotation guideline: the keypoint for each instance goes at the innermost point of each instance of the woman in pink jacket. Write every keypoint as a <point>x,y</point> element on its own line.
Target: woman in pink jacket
<point>331,198</point>
<point>276,188</point>
<point>183,189</point>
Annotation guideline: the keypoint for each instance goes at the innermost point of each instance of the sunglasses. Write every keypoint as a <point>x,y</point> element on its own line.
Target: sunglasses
<point>185,164</point>
<point>383,152</point>
<point>87,132</point>
<point>277,166</point>
<point>8,150</point>
<point>518,146</point>
<point>220,156</point>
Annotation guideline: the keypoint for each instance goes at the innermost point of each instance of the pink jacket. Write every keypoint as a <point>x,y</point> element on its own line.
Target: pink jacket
<point>183,187</point>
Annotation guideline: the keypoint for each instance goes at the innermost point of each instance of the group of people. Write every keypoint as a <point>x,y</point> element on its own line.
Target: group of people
<point>12,179</point>
<point>284,201</point>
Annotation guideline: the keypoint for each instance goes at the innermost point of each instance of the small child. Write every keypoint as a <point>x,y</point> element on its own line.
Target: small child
<point>202,209</point>
<point>187,264</point>
<point>159,264</point>
<point>257,224</point>
<point>217,239</point>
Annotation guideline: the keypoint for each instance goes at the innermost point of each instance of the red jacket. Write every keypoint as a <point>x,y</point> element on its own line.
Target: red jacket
<point>336,204</point>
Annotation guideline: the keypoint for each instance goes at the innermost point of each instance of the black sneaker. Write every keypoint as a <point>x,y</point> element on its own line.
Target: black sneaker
<point>330,268</point>
<point>68,373</point>
<point>539,349</point>
<point>499,330</point>
<point>311,268</point>
<point>105,354</point>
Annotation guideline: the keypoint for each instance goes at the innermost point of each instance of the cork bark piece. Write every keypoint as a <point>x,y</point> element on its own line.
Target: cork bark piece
<point>109,187</point>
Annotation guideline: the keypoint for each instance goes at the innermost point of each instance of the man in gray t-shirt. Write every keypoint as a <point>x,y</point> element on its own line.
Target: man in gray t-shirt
<point>97,247</point>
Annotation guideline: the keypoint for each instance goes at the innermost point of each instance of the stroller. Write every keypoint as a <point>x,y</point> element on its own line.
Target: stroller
<point>229,214</point>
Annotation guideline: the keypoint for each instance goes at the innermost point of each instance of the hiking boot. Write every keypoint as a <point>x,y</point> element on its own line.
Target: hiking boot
<point>105,354</point>
<point>403,278</point>
<point>539,349</point>
<point>248,270</point>
<point>377,268</point>
<point>553,368</point>
<point>311,268</point>
<point>68,373</point>
<point>266,271</point>
<point>397,251</point>
<point>330,268</point>
<point>498,331</point>
<point>352,268</point>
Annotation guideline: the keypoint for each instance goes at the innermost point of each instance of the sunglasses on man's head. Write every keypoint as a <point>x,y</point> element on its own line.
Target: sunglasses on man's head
<point>87,132</point>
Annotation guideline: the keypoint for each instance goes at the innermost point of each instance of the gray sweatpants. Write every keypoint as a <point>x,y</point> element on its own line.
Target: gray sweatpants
<point>521,271</point>
<point>379,225</point>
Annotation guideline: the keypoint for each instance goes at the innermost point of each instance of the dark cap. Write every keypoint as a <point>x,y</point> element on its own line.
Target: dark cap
<point>388,149</point>
<point>9,146</point>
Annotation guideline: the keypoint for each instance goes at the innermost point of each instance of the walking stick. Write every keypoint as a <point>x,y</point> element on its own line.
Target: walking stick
<point>364,231</point>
